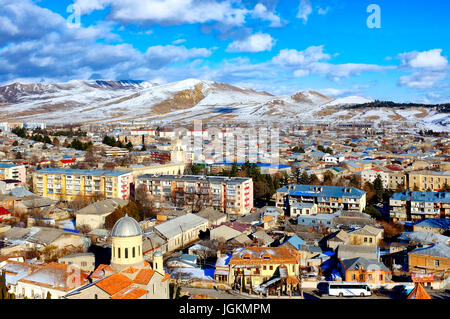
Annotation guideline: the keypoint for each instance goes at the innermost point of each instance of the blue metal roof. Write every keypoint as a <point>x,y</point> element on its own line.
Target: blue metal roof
<point>295,241</point>
<point>7,165</point>
<point>417,196</point>
<point>434,223</point>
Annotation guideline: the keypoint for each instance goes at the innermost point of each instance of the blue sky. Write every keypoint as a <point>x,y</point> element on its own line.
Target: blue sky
<point>280,46</point>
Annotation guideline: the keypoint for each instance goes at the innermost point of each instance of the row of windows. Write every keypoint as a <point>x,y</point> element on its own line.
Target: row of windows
<point>126,255</point>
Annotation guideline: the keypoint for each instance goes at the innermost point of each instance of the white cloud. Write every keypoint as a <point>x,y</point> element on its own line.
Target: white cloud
<point>422,80</point>
<point>254,43</point>
<point>323,11</point>
<point>304,10</point>
<point>159,56</point>
<point>168,12</point>
<point>432,60</point>
<point>260,11</point>
<point>179,41</point>
<point>294,58</point>
<point>428,67</point>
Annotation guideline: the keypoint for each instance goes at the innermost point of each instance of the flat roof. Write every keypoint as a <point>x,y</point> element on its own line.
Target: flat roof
<point>72,171</point>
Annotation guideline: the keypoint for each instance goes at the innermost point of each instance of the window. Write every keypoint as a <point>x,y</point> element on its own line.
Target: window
<point>361,277</point>
<point>353,277</point>
<point>370,239</point>
<point>436,263</point>
<point>270,267</point>
<point>381,277</point>
<point>365,239</point>
<point>118,252</point>
<point>134,252</point>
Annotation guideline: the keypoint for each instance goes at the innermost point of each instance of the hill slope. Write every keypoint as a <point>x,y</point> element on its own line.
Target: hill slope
<point>191,99</point>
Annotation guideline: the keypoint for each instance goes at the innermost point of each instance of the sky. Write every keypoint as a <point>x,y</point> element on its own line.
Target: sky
<point>394,50</point>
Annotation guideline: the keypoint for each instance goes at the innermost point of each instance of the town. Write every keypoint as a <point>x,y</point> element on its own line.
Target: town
<point>311,210</point>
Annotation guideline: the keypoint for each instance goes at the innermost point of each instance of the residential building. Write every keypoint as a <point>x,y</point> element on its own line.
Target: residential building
<point>254,266</point>
<point>182,230</point>
<point>230,195</point>
<point>54,279</point>
<point>13,171</point>
<point>424,180</point>
<point>67,184</point>
<point>431,259</point>
<point>303,208</point>
<point>364,270</point>
<point>366,236</point>
<point>328,199</point>
<point>84,261</point>
<point>434,225</point>
<point>413,205</point>
<point>94,215</point>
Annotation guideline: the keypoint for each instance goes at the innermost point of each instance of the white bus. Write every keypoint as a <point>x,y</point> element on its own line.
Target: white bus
<point>352,289</point>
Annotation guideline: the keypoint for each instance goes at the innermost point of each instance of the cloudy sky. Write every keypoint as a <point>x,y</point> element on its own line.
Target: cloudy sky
<point>281,46</point>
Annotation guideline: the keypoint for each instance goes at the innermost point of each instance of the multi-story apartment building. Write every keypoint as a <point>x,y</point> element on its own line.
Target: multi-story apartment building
<point>329,199</point>
<point>67,184</point>
<point>391,178</point>
<point>432,181</point>
<point>230,195</point>
<point>408,205</point>
<point>13,171</point>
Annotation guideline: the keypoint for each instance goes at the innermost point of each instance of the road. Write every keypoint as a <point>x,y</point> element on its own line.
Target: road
<point>310,294</point>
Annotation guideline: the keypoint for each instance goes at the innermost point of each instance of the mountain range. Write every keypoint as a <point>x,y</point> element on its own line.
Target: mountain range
<point>192,99</point>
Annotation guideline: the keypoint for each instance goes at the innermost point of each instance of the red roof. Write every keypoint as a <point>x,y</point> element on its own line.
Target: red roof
<point>4,211</point>
<point>66,161</point>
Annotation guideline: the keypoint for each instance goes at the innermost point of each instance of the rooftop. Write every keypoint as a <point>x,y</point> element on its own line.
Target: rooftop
<point>70,171</point>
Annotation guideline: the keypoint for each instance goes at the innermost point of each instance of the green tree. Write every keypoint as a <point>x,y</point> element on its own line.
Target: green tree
<point>379,189</point>
<point>373,212</point>
<point>445,188</point>
<point>49,295</point>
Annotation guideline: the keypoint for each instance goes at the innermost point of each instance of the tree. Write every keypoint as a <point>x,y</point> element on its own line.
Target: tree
<point>314,180</point>
<point>445,188</point>
<point>55,141</point>
<point>4,294</point>
<point>304,179</point>
<point>355,181</point>
<point>373,212</point>
<point>49,295</point>
<point>129,146</point>
<point>328,178</point>
<point>379,189</point>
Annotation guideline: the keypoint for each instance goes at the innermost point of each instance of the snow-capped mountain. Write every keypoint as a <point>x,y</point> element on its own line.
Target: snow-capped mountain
<point>187,100</point>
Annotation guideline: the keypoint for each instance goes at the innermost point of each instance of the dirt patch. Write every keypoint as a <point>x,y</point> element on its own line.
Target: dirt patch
<point>423,113</point>
<point>182,100</point>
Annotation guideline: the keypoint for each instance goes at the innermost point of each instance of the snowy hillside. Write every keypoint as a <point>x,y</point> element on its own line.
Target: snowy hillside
<point>187,100</point>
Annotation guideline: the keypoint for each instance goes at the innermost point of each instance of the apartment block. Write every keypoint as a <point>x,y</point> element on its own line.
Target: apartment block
<point>391,178</point>
<point>428,180</point>
<point>329,199</point>
<point>413,205</point>
<point>13,171</point>
<point>229,195</point>
<point>67,184</point>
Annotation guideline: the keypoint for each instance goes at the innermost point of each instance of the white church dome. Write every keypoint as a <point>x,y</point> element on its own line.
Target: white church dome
<point>126,227</point>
